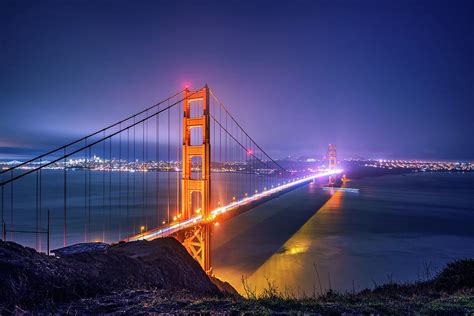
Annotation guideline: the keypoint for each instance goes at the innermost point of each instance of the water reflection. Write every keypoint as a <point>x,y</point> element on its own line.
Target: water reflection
<point>311,239</point>
<point>258,252</point>
<point>298,258</point>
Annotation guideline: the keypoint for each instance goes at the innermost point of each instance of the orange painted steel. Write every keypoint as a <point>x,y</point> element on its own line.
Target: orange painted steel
<point>198,243</point>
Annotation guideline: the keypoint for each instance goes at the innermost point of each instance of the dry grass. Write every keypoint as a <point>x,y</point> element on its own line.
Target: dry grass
<point>449,292</point>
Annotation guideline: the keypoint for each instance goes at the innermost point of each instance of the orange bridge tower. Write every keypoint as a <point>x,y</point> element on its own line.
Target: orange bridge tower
<point>196,185</point>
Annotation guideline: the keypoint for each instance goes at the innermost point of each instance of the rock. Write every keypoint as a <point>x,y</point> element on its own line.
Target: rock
<point>224,287</point>
<point>79,248</point>
<point>28,278</point>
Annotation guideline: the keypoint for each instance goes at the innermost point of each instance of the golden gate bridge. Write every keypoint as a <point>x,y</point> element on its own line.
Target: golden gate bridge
<point>175,169</point>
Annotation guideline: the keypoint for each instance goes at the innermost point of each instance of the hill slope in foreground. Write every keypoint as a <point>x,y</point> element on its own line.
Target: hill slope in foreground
<point>160,277</point>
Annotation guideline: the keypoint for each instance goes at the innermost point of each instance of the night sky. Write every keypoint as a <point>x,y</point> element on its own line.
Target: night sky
<point>381,79</point>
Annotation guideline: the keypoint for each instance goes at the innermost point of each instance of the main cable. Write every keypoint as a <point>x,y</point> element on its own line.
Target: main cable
<point>230,115</point>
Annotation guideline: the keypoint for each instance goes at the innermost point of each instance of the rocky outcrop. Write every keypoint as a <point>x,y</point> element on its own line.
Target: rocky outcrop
<point>224,287</point>
<point>79,248</point>
<point>28,278</point>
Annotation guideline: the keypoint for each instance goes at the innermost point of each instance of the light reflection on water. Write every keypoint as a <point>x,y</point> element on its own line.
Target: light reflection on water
<point>391,230</point>
<point>294,261</point>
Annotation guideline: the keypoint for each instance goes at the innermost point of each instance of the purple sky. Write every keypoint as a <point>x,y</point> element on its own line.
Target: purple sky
<point>381,79</point>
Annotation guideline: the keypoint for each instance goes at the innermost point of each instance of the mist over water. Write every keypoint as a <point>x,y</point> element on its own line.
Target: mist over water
<point>400,228</point>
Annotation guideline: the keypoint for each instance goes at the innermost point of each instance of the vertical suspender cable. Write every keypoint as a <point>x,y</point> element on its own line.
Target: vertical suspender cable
<point>103,188</point>
<point>3,214</point>
<point>89,223</point>
<point>86,166</point>
<point>143,172</point>
<point>168,164</point>
<point>11,207</point>
<point>213,144</point>
<point>120,185</point>
<point>110,187</point>
<point>39,201</point>
<point>65,200</point>
<point>128,178</point>
<point>220,138</point>
<point>226,196</point>
<point>177,157</point>
<point>37,213</point>
<point>157,178</point>
<point>133,172</point>
<point>247,176</point>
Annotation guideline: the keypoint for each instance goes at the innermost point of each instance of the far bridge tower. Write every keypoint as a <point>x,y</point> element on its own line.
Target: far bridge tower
<point>332,162</point>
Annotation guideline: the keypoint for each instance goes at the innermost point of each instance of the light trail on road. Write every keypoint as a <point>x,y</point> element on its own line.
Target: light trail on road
<point>167,230</point>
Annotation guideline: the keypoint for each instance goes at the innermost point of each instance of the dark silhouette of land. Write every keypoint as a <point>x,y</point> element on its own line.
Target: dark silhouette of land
<point>160,277</point>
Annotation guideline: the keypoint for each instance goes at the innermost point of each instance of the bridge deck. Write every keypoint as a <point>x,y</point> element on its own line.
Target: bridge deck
<point>234,207</point>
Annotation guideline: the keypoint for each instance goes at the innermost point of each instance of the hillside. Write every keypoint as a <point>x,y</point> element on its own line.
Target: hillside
<point>160,277</point>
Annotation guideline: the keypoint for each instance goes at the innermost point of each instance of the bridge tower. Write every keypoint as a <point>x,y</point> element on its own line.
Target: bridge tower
<point>196,187</point>
<point>332,161</point>
<point>332,158</point>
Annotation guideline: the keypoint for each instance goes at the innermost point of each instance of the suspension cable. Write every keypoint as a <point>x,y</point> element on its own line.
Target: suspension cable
<point>230,115</point>
<point>90,135</point>
<point>91,144</point>
<point>250,153</point>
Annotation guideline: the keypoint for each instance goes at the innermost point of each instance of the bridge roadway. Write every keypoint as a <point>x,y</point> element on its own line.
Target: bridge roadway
<point>231,209</point>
